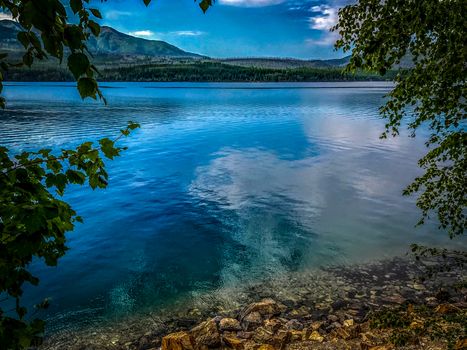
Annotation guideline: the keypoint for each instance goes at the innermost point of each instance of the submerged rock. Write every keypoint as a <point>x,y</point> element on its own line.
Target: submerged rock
<point>229,324</point>
<point>266,308</point>
<point>251,321</point>
<point>207,334</point>
<point>178,341</point>
<point>233,343</point>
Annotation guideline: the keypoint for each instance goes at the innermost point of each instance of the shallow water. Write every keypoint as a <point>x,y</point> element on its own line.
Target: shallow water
<point>223,184</point>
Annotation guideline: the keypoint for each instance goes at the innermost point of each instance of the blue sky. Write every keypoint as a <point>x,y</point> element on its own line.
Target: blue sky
<point>232,28</point>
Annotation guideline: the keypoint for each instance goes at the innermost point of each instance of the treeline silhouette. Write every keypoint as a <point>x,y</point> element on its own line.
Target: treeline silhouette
<point>199,72</point>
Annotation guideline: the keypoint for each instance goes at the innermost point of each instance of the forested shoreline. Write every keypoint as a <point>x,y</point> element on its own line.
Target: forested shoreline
<point>198,72</point>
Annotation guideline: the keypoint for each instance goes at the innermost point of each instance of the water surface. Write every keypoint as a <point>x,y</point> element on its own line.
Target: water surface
<point>223,184</point>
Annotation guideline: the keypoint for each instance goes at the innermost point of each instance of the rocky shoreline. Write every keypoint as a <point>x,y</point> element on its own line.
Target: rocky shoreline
<point>377,306</point>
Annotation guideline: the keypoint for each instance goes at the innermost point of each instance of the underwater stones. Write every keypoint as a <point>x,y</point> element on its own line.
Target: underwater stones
<point>348,323</point>
<point>178,341</point>
<point>281,338</point>
<point>262,335</point>
<point>229,324</point>
<point>300,312</point>
<point>233,343</point>
<point>296,335</point>
<point>207,334</point>
<point>251,321</point>
<point>266,308</point>
<point>446,309</point>
<point>244,335</point>
<point>266,347</point>
<point>273,325</point>
<point>294,324</point>
<point>315,336</point>
<point>339,304</point>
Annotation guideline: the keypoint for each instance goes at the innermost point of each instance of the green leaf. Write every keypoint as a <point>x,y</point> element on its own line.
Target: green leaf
<point>87,87</point>
<point>74,37</point>
<point>76,5</point>
<point>205,4</point>
<point>78,63</point>
<point>23,38</point>
<point>108,148</point>
<point>96,13</point>
<point>95,28</point>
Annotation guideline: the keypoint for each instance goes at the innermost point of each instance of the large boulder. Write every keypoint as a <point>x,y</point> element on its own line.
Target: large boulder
<point>206,334</point>
<point>229,324</point>
<point>233,343</point>
<point>252,321</point>
<point>178,341</point>
<point>266,308</point>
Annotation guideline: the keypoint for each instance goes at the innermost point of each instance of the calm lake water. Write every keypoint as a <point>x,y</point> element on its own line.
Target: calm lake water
<point>223,184</point>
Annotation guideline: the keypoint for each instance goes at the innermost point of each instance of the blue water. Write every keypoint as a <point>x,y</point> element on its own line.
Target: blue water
<point>223,184</point>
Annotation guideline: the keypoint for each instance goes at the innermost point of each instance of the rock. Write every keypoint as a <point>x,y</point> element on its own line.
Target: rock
<point>266,347</point>
<point>300,312</point>
<point>280,339</point>
<point>342,333</point>
<point>244,335</point>
<point>315,336</point>
<point>316,325</point>
<point>272,325</point>
<point>207,334</point>
<point>394,299</point>
<point>266,308</point>
<point>233,343</point>
<point>348,323</point>
<point>252,321</point>
<point>178,341</point>
<point>442,295</point>
<point>461,344</point>
<point>446,309</point>
<point>340,304</point>
<point>262,335</point>
<point>333,318</point>
<point>294,325</point>
<point>296,335</point>
<point>229,324</point>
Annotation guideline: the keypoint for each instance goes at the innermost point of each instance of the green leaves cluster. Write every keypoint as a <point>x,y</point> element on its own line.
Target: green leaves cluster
<point>48,33</point>
<point>432,34</point>
<point>408,324</point>
<point>34,221</point>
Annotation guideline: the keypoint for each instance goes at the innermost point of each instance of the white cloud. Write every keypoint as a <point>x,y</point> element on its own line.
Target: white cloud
<point>327,39</point>
<point>142,33</point>
<point>115,14</point>
<point>326,19</point>
<point>188,33</point>
<point>251,3</point>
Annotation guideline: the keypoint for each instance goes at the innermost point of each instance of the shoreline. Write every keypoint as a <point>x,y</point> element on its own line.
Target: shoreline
<point>335,296</point>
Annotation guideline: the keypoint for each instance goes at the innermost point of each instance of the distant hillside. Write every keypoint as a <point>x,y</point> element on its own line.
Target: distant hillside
<point>122,57</point>
<point>109,42</point>
<point>284,63</point>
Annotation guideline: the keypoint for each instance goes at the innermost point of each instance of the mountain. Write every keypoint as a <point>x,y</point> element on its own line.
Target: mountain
<point>109,42</point>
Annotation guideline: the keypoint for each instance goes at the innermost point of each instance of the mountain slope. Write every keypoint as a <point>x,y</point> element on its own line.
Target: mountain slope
<point>109,42</point>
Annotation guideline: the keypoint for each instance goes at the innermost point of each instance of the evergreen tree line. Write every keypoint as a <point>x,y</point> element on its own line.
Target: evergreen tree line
<point>199,72</point>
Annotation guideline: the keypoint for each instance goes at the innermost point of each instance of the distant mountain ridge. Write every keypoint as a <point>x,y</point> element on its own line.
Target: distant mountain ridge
<point>114,46</point>
<point>109,42</point>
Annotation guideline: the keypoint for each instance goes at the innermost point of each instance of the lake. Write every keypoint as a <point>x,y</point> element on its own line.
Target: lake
<point>223,184</point>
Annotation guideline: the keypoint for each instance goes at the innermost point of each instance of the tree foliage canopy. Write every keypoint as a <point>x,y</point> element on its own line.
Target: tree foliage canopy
<point>432,33</point>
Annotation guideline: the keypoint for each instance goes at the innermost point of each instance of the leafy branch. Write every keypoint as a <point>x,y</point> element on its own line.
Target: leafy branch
<point>34,221</point>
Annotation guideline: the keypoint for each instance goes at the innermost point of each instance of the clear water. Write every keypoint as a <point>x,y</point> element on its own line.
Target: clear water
<point>223,184</point>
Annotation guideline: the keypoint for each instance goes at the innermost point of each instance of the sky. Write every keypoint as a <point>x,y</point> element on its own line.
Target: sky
<point>232,28</point>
